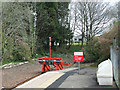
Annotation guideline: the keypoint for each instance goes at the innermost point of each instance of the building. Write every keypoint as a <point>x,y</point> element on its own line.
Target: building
<point>78,38</point>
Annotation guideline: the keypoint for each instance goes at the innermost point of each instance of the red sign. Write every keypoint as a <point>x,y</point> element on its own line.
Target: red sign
<point>49,38</point>
<point>78,55</point>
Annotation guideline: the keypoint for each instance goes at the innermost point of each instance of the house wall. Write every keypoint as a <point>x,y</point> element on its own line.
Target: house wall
<point>78,38</point>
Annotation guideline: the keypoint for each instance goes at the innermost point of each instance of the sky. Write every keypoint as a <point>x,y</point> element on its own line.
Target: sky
<point>112,2</point>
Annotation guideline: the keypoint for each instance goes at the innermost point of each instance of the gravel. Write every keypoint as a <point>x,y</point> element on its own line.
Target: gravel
<point>13,74</point>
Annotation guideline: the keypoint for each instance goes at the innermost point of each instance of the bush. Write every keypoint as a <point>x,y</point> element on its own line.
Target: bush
<point>73,48</point>
<point>91,51</point>
<point>17,52</point>
<point>97,50</point>
<point>65,50</point>
<point>104,49</point>
<point>62,49</point>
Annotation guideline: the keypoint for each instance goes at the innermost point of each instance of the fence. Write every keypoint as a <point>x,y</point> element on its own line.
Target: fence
<point>115,58</point>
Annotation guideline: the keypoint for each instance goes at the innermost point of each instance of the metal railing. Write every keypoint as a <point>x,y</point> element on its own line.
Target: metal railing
<point>115,58</point>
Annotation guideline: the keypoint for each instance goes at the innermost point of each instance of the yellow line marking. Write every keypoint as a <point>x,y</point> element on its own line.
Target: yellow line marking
<point>51,80</point>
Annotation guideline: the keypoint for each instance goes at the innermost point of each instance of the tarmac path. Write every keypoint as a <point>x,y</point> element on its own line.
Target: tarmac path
<point>67,79</point>
<point>86,79</point>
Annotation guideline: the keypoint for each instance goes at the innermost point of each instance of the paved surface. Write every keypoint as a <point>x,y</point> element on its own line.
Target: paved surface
<point>41,81</point>
<point>44,80</point>
<point>86,79</point>
<point>68,78</point>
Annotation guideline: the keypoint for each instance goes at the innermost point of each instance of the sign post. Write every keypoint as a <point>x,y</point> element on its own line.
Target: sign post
<point>78,56</point>
<point>78,67</point>
<point>50,47</point>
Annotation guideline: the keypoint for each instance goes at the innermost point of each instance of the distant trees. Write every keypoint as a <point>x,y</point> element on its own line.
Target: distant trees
<point>52,20</point>
<point>27,26</point>
<point>46,24</point>
<point>17,30</point>
<point>95,50</point>
<point>91,18</point>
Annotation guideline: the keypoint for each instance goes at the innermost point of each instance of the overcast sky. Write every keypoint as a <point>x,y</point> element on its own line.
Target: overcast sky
<point>112,2</point>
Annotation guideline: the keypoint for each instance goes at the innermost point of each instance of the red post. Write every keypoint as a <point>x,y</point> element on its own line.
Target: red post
<point>50,47</point>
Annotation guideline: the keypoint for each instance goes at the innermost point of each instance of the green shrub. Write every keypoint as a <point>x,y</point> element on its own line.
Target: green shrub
<point>62,49</point>
<point>97,50</point>
<point>104,49</point>
<point>16,52</point>
<point>91,51</point>
<point>74,48</point>
<point>65,50</point>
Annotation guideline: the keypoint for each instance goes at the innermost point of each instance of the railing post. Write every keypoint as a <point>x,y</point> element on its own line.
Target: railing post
<point>119,66</point>
<point>111,56</point>
<point>50,47</point>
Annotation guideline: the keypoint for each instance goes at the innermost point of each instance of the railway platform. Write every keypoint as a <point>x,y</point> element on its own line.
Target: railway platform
<point>66,78</point>
<point>45,80</point>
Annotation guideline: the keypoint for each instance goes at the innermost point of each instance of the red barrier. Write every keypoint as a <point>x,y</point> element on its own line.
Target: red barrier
<point>56,62</point>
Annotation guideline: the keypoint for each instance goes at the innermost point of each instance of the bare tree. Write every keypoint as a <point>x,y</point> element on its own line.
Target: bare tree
<point>91,18</point>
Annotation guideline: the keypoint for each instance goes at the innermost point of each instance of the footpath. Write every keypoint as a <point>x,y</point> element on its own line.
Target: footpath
<point>86,79</point>
<point>68,78</point>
